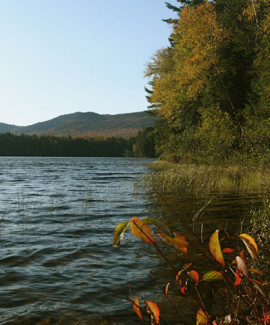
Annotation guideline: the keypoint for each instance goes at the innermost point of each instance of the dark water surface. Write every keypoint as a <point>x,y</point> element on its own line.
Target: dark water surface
<point>57,217</point>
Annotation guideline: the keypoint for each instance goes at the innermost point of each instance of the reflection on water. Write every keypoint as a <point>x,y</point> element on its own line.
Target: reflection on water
<point>57,217</point>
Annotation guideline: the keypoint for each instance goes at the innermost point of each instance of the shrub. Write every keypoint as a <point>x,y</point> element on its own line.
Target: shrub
<point>239,288</point>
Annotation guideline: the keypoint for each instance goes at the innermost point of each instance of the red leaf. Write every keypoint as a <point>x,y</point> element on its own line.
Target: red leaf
<point>182,287</point>
<point>194,275</point>
<point>227,250</point>
<point>238,278</point>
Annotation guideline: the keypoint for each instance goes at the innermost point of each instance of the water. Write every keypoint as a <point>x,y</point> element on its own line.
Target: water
<point>57,262</point>
<point>57,218</point>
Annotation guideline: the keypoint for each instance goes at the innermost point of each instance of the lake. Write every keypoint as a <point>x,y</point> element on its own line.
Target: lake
<point>57,218</point>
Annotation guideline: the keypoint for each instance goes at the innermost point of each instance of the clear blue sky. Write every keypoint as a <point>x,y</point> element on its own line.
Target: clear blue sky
<point>63,56</point>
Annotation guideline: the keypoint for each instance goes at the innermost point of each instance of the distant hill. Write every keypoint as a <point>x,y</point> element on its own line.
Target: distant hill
<point>86,125</point>
<point>6,127</point>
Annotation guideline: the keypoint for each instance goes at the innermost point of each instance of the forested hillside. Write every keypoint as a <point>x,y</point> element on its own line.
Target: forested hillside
<point>210,89</point>
<point>87,124</point>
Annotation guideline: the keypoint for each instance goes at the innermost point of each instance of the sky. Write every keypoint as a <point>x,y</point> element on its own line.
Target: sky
<point>64,56</point>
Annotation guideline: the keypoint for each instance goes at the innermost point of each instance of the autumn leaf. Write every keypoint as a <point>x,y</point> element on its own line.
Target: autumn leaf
<point>186,266</point>
<point>241,266</point>
<point>119,233</point>
<point>178,275</point>
<point>182,287</point>
<point>227,250</point>
<point>136,307</point>
<point>215,249</point>
<point>202,318</point>
<point>167,288</point>
<point>154,310</point>
<point>141,230</point>
<point>212,275</point>
<point>250,245</point>
<point>178,241</point>
<point>255,271</point>
<point>238,277</point>
<point>157,222</point>
<point>194,276</point>
<point>255,281</point>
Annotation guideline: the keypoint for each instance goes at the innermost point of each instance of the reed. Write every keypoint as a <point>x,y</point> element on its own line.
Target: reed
<point>204,179</point>
<point>260,230</point>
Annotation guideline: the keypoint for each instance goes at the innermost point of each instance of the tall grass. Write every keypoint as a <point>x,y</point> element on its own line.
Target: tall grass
<point>204,179</point>
<point>260,230</point>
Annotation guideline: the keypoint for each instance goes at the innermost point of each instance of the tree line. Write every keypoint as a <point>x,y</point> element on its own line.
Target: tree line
<point>210,88</point>
<point>33,145</point>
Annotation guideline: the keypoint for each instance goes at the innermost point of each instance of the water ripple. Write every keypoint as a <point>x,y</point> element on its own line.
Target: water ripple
<point>57,262</point>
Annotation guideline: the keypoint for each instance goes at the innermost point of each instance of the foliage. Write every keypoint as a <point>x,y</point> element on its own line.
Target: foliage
<point>239,287</point>
<point>216,135</point>
<point>210,88</point>
<point>144,145</point>
<point>87,124</point>
<point>26,145</point>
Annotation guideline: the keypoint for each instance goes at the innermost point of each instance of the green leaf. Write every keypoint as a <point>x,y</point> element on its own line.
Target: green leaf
<point>160,224</point>
<point>212,275</point>
<point>119,233</point>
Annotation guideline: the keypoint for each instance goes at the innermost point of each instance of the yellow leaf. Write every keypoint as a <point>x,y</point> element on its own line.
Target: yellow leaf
<point>212,275</point>
<point>250,245</point>
<point>178,275</point>
<point>141,230</point>
<point>153,308</point>
<point>119,233</point>
<point>202,318</point>
<point>178,241</point>
<point>215,249</point>
<point>136,307</point>
<point>167,288</point>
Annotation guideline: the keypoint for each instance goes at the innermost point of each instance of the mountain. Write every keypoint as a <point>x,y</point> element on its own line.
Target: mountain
<point>6,127</point>
<point>86,125</point>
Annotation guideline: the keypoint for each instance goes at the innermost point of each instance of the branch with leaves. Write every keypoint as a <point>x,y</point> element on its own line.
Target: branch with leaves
<point>229,265</point>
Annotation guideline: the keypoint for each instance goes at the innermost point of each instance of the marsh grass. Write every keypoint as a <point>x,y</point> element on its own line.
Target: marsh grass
<point>260,230</point>
<point>205,179</point>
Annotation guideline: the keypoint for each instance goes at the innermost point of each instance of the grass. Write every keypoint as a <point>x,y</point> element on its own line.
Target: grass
<point>205,179</point>
<point>260,230</point>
